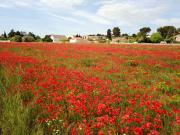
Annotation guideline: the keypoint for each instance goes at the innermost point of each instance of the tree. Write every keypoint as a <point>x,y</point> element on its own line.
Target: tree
<point>47,39</point>
<point>32,35</point>
<point>18,33</point>
<point>5,35</point>
<point>142,34</point>
<point>28,39</point>
<point>78,35</point>
<point>134,35</point>
<point>38,39</point>
<point>167,32</point>
<point>12,33</point>
<point>116,32</point>
<point>109,34</point>
<point>100,34</point>
<point>125,35</point>
<point>16,38</point>
<point>156,38</point>
<point>23,33</point>
<point>140,37</point>
<point>178,30</point>
<point>145,30</point>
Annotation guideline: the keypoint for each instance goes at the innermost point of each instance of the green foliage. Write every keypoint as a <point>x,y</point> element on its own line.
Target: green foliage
<point>141,38</point>
<point>166,89</point>
<point>132,63</point>
<point>145,30</point>
<point>4,82</point>
<point>16,38</point>
<point>109,34</point>
<point>56,126</point>
<point>175,100</point>
<point>12,33</point>
<point>125,35</point>
<point>13,115</point>
<point>167,31</point>
<point>178,30</point>
<point>64,40</point>
<point>142,35</point>
<point>15,118</point>
<point>170,40</point>
<point>156,38</point>
<point>19,36</point>
<point>116,32</point>
<point>88,62</point>
<point>47,39</point>
<point>134,35</point>
<point>4,36</point>
<point>102,41</point>
<point>28,39</point>
<point>32,35</point>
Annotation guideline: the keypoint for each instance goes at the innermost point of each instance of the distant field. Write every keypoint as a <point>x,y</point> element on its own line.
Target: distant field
<point>89,89</point>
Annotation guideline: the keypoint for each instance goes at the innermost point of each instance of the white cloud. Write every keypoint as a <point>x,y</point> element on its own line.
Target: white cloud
<point>2,5</point>
<point>171,21</point>
<point>16,3</point>
<point>92,17</point>
<point>46,3</point>
<point>129,13</point>
<point>61,3</point>
<point>23,3</point>
<point>66,18</point>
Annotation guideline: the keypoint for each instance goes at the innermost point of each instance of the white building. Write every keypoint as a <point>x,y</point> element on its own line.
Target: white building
<point>78,40</point>
<point>58,38</point>
<point>177,38</point>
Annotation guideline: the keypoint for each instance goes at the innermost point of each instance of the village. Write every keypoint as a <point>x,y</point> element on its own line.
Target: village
<point>98,39</point>
<point>87,39</point>
<point>163,35</point>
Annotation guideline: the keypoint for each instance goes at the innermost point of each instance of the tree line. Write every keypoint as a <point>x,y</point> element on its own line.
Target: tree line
<point>21,36</point>
<point>165,33</point>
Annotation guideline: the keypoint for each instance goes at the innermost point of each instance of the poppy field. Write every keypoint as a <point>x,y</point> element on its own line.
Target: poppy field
<point>61,89</point>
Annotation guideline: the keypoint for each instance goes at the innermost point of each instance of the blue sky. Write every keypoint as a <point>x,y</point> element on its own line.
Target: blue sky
<point>87,16</point>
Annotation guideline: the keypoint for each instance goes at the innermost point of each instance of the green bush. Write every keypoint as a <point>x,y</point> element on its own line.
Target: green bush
<point>16,38</point>
<point>47,39</point>
<point>102,41</point>
<point>169,40</point>
<point>156,38</point>
<point>28,39</point>
<point>64,40</point>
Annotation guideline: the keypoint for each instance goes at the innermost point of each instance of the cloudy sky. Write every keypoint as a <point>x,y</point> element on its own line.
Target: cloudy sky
<point>86,16</point>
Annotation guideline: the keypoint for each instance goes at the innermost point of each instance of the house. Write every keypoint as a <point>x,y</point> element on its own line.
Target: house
<point>177,37</point>
<point>58,38</point>
<point>119,40</point>
<point>94,37</point>
<point>78,40</point>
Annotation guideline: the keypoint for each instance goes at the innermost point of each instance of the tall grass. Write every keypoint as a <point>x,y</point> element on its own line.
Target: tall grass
<point>15,118</point>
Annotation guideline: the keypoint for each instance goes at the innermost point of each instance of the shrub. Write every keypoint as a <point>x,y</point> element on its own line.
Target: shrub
<point>47,39</point>
<point>28,39</point>
<point>169,40</point>
<point>16,38</point>
<point>102,41</point>
<point>156,38</point>
<point>64,40</point>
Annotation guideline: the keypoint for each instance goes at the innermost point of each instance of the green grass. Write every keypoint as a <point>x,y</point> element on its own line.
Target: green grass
<point>15,118</point>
